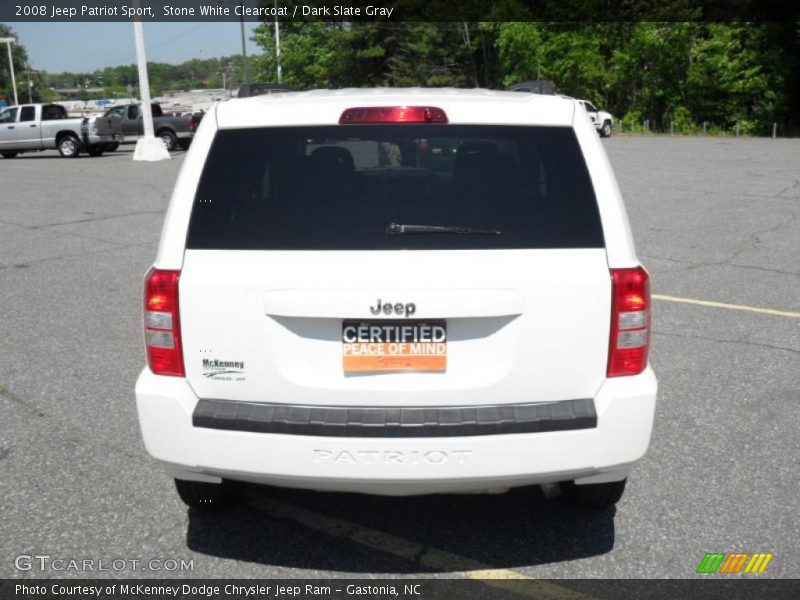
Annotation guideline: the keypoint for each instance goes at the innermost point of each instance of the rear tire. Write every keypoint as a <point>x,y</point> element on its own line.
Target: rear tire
<point>9,154</point>
<point>69,146</point>
<point>594,495</point>
<point>170,139</point>
<point>606,130</point>
<point>112,147</point>
<point>95,150</point>
<point>208,496</point>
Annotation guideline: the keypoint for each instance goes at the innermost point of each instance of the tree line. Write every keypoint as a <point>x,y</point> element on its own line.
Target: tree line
<point>685,73</point>
<point>164,77</point>
<point>673,73</point>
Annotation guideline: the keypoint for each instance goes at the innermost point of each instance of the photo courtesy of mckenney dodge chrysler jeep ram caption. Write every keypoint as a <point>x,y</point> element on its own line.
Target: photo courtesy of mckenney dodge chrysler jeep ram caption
<point>400,291</point>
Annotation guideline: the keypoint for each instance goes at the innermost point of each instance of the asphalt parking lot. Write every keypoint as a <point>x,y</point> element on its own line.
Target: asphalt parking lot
<point>715,221</point>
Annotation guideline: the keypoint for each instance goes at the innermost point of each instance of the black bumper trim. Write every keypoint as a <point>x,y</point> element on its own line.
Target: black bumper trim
<point>380,422</point>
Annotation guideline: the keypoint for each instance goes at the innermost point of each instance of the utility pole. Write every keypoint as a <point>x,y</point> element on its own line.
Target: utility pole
<point>148,148</point>
<point>227,80</point>
<point>9,41</point>
<point>244,47</point>
<point>277,43</point>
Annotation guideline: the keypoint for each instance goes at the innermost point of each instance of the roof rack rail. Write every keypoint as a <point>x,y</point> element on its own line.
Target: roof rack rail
<point>248,90</point>
<point>537,86</point>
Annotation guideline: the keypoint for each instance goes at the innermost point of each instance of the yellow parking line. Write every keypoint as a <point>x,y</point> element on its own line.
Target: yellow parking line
<point>755,309</point>
<point>432,558</point>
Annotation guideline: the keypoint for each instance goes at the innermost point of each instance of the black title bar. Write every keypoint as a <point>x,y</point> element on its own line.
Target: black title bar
<point>707,588</point>
<point>399,10</point>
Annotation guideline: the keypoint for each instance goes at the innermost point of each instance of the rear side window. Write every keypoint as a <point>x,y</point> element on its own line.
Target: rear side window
<point>51,112</point>
<point>115,113</point>
<point>340,187</point>
<point>28,113</point>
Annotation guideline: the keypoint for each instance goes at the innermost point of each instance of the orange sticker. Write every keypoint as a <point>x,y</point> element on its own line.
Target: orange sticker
<point>356,364</point>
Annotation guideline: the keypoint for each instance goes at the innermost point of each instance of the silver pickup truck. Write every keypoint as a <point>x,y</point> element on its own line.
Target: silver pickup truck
<point>37,127</point>
<point>173,131</point>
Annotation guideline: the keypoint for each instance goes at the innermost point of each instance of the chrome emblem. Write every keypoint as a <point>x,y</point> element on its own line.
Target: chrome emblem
<point>397,308</point>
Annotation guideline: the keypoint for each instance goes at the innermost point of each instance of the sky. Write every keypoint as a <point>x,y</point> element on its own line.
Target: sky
<point>85,47</point>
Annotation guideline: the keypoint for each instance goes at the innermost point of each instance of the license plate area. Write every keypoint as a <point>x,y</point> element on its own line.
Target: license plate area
<point>375,346</point>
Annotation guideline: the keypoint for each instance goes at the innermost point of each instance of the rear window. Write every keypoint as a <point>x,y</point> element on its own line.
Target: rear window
<point>340,187</point>
<point>52,112</point>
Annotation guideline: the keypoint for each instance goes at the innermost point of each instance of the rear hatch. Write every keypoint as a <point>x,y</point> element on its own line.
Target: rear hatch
<point>395,265</point>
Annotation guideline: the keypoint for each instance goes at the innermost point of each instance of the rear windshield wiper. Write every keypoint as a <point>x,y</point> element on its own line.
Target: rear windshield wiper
<point>399,229</point>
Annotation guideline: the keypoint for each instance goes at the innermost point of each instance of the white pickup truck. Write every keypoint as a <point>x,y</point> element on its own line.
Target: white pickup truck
<point>37,127</point>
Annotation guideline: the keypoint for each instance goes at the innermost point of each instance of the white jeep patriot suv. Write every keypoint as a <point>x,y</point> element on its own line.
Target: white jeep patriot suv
<point>399,291</point>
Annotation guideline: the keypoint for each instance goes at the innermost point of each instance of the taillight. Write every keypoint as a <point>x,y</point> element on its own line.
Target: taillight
<point>630,322</point>
<point>193,121</point>
<point>162,324</point>
<point>393,114</point>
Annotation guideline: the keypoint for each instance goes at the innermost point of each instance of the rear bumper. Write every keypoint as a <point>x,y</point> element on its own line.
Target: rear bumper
<point>398,465</point>
<point>389,423</point>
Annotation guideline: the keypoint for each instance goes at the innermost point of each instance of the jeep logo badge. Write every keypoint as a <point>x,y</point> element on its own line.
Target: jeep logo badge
<point>398,308</point>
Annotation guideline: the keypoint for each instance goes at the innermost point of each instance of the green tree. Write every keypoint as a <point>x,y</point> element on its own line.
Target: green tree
<point>649,70</point>
<point>308,54</point>
<point>737,76</point>
<point>20,60</point>
<point>569,54</point>
<point>317,54</point>
<point>432,54</point>
<point>520,52</point>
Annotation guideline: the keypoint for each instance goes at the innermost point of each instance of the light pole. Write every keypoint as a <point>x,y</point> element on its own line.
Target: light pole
<point>210,53</point>
<point>9,41</point>
<point>226,79</point>
<point>244,48</point>
<point>148,147</point>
